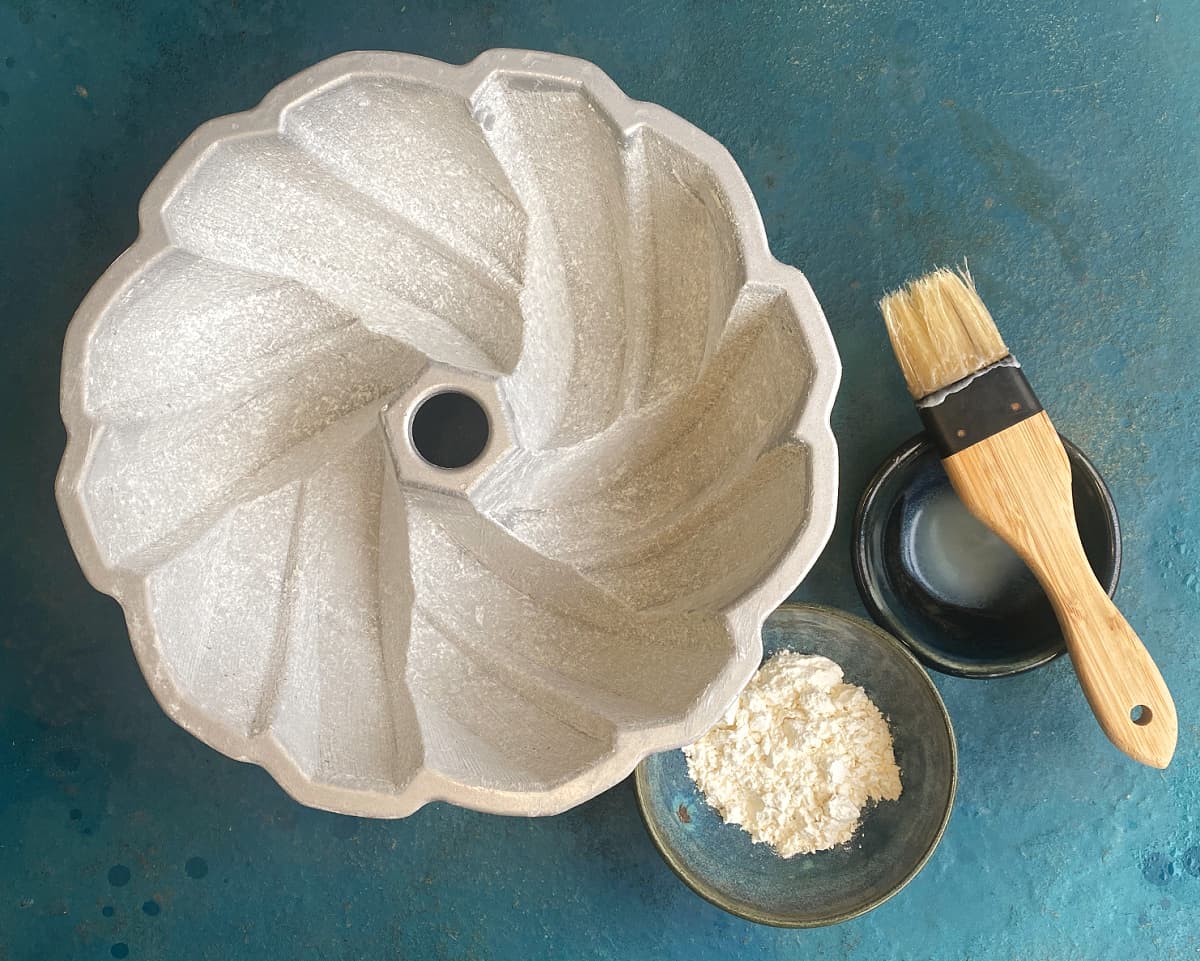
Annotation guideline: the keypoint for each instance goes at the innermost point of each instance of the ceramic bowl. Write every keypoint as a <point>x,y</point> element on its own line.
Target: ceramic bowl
<point>448,433</point>
<point>951,590</point>
<point>895,839</point>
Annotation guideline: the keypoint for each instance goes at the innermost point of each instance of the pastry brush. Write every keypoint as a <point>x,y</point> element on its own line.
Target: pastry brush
<point>1008,466</point>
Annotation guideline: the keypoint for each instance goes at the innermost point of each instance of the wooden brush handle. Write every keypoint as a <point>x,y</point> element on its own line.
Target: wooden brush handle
<point>1018,482</point>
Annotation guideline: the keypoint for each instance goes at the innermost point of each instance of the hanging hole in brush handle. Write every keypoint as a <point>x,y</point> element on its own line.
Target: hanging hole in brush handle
<point>1116,671</point>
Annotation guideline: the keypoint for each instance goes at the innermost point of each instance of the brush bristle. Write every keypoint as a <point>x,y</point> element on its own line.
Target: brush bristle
<point>940,331</point>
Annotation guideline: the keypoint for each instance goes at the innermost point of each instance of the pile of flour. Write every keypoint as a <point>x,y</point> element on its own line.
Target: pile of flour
<point>797,757</point>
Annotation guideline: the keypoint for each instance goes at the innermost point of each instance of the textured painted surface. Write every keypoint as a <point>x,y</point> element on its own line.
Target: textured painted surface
<point>1057,144</point>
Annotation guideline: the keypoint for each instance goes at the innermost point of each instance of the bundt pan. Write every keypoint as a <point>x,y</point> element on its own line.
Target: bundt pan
<point>448,433</point>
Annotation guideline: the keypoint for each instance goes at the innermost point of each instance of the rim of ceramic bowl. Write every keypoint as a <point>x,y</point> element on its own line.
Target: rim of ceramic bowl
<point>714,897</point>
<point>898,460</point>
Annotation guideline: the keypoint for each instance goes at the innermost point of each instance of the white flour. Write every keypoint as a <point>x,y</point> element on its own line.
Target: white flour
<point>797,757</point>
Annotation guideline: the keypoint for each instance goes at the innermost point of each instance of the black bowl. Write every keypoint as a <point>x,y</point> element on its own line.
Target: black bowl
<point>953,592</point>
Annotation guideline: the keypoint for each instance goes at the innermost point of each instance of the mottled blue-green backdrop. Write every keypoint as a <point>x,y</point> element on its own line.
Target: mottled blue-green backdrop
<point>1056,144</point>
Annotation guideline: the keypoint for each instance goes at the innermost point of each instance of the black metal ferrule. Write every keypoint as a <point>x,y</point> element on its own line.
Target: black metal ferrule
<point>994,400</point>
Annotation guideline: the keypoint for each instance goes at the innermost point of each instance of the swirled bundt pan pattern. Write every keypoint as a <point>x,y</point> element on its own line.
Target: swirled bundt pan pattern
<point>302,589</point>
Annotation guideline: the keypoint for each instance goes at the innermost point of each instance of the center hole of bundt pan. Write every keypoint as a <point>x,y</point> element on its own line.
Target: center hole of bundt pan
<point>450,429</point>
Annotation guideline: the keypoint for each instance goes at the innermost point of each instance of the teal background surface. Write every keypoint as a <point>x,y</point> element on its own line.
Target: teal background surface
<point>1056,145</point>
